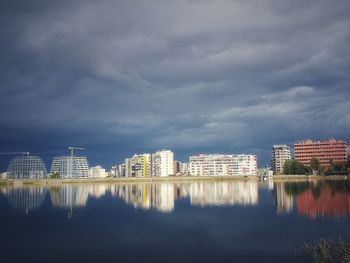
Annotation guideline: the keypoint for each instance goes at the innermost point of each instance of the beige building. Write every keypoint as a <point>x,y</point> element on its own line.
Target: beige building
<point>280,153</point>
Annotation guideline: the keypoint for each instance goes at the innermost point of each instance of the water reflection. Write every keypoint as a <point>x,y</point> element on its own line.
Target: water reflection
<point>69,196</point>
<point>224,193</point>
<point>162,196</point>
<point>311,199</point>
<point>315,199</point>
<point>25,199</point>
<point>158,196</point>
<point>283,200</point>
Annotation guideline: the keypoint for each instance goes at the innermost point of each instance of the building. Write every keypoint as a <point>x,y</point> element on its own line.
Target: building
<point>180,168</point>
<point>162,163</point>
<point>326,152</point>
<point>138,166</point>
<point>183,168</point>
<point>223,164</point>
<point>70,166</point>
<point>121,170</point>
<point>280,153</point>
<point>98,172</point>
<point>176,168</point>
<point>4,175</point>
<point>26,167</point>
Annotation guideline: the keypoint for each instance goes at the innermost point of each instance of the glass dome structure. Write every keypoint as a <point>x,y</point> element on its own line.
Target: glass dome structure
<point>27,167</point>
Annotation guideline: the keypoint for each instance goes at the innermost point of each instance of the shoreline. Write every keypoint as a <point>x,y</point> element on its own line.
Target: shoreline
<point>121,180</point>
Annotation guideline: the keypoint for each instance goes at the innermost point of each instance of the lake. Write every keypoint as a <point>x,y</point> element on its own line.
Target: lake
<point>223,221</point>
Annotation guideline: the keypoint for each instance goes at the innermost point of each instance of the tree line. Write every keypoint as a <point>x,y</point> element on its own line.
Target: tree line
<point>295,167</point>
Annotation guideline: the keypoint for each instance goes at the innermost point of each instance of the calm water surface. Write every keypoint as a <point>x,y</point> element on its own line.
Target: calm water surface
<point>239,221</point>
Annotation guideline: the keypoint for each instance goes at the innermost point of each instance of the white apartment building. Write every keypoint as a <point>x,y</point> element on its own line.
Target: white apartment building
<point>138,166</point>
<point>162,163</point>
<point>280,153</point>
<point>223,164</point>
<point>70,166</point>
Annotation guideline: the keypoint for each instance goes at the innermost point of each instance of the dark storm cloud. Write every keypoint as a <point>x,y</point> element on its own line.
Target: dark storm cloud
<point>197,76</point>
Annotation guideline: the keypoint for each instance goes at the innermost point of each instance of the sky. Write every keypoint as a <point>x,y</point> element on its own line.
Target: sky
<point>120,77</point>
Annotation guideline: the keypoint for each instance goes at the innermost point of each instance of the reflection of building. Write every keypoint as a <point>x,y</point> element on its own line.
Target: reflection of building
<point>25,199</point>
<point>280,153</point>
<point>162,163</point>
<point>70,166</point>
<point>162,196</point>
<point>224,193</point>
<point>165,193</point>
<point>159,196</point>
<point>323,203</point>
<point>69,196</point>
<point>283,201</point>
<point>138,166</point>
<point>26,167</point>
<point>223,164</point>
<point>327,152</point>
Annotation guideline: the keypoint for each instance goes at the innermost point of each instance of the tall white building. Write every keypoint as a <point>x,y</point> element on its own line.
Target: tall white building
<point>138,166</point>
<point>70,166</point>
<point>162,163</point>
<point>280,153</point>
<point>223,164</point>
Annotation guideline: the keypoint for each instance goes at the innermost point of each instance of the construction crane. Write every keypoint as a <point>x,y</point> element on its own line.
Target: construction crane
<point>15,153</point>
<point>71,148</point>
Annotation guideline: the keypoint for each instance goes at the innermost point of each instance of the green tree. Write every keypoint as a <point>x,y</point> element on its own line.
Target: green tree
<point>315,166</point>
<point>55,175</point>
<point>330,170</point>
<point>287,167</point>
<point>293,167</point>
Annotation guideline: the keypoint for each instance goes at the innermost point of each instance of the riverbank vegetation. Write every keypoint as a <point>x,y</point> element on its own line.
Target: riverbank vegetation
<point>326,251</point>
<point>293,167</point>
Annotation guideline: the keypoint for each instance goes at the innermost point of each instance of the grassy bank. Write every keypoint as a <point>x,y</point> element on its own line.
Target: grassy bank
<point>124,180</point>
<point>277,178</point>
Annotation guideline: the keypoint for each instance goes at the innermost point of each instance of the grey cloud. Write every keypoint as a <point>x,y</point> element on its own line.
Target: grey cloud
<point>125,76</point>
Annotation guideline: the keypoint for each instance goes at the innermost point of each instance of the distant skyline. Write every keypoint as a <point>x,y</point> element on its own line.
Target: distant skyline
<point>195,76</point>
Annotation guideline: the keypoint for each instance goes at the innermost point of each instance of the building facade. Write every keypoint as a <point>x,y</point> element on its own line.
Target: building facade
<point>326,152</point>
<point>180,168</point>
<point>98,172</point>
<point>70,166</point>
<point>163,163</point>
<point>26,167</point>
<point>223,164</point>
<point>280,153</point>
<point>138,166</point>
